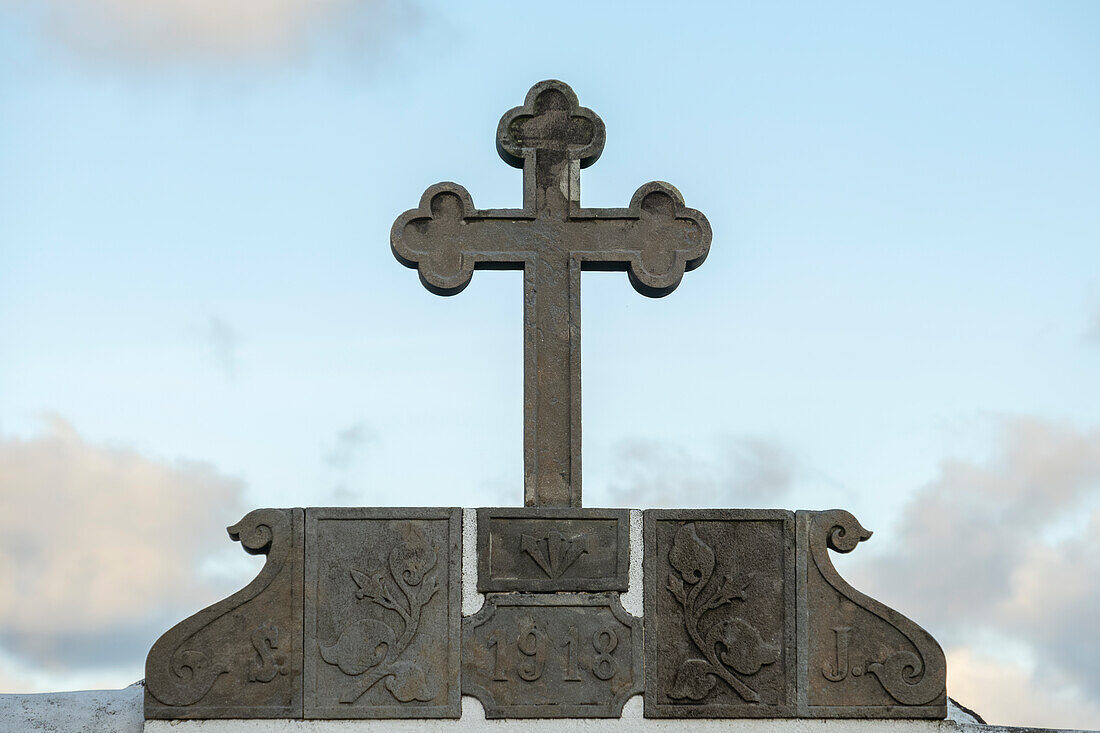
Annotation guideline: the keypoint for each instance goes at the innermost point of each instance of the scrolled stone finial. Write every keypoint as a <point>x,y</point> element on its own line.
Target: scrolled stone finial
<point>870,637</point>
<point>240,657</point>
<point>843,532</point>
<point>256,530</point>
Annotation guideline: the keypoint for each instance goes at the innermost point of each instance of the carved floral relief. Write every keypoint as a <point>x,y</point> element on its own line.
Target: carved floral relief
<point>719,613</point>
<point>371,646</point>
<point>730,646</point>
<point>382,614</point>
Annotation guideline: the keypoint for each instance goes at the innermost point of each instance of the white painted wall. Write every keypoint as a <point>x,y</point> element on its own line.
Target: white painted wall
<point>90,711</point>
<point>120,711</point>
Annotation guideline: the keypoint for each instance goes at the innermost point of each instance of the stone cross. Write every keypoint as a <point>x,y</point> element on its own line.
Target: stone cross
<point>358,611</point>
<point>552,239</point>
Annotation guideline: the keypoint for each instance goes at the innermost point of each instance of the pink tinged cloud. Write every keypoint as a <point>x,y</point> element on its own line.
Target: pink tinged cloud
<point>100,549</point>
<point>1000,560</point>
<point>158,32</point>
<point>1007,693</point>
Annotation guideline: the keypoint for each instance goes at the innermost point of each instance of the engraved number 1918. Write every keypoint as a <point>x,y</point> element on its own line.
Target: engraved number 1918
<point>532,649</point>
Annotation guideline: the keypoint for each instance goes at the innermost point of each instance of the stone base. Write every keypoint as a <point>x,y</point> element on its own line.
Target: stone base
<point>540,612</point>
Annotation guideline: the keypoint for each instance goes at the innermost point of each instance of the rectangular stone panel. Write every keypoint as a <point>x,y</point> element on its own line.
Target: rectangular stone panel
<point>548,549</point>
<point>382,615</point>
<point>562,655</point>
<point>719,587</point>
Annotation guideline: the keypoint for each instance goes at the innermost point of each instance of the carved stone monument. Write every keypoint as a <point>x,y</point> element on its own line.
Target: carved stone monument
<point>357,612</point>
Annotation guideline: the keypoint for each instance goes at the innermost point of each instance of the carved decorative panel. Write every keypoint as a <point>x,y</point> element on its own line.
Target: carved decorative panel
<point>719,613</point>
<point>241,657</point>
<point>562,655</point>
<point>382,613</point>
<point>862,659</point>
<point>540,549</point>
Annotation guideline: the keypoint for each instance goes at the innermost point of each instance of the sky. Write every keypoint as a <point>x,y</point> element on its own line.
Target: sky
<point>900,313</point>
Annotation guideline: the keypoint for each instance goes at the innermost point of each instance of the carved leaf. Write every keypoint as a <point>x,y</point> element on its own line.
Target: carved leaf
<point>368,586</point>
<point>726,592</point>
<point>691,557</point>
<point>361,646</point>
<point>676,587</point>
<point>413,558</point>
<point>743,648</point>
<point>694,679</point>
<point>409,683</point>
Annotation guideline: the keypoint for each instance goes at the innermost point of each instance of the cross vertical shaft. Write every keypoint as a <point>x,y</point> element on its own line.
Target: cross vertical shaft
<point>552,341</point>
<point>552,239</point>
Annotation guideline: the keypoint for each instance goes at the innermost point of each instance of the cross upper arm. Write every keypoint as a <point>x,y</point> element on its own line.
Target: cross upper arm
<point>655,239</point>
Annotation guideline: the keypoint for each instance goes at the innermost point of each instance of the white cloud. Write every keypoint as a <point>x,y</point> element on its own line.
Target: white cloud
<point>999,558</point>
<point>349,445</point>
<point>224,341</point>
<point>100,549</point>
<point>1093,333</point>
<point>1007,549</point>
<point>747,471</point>
<point>170,31</point>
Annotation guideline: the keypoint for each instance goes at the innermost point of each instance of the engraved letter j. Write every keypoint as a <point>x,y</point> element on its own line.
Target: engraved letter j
<point>840,670</point>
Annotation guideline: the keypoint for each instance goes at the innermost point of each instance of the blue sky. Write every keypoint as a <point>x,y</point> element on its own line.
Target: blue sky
<point>195,269</point>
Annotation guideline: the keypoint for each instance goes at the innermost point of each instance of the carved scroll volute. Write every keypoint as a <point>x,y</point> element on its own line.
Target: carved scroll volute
<point>240,657</point>
<point>904,658</point>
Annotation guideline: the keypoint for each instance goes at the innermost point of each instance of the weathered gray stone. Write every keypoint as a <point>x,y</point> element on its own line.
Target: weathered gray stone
<point>563,655</point>
<point>857,657</point>
<point>241,657</point>
<point>543,549</point>
<point>552,239</point>
<point>382,614</point>
<point>357,612</point>
<point>719,613</point>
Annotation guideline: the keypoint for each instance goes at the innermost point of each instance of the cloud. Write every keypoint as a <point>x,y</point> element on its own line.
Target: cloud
<point>985,685</point>
<point>100,549</point>
<point>165,32</point>
<point>1093,332</point>
<point>347,449</point>
<point>223,340</point>
<point>350,443</point>
<point>1004,554</point>
<point>748,471</point>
